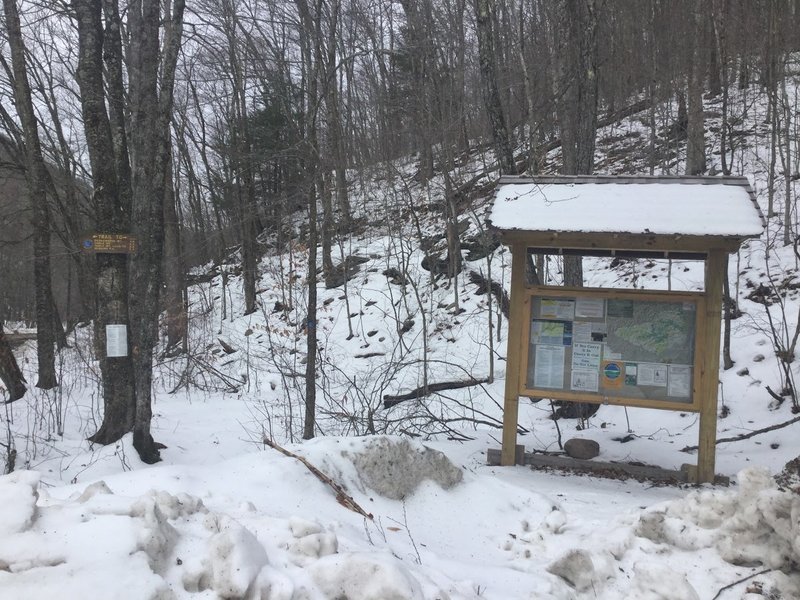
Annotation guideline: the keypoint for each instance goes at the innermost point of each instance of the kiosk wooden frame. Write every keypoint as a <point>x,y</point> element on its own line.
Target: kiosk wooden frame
<point>710,242</point>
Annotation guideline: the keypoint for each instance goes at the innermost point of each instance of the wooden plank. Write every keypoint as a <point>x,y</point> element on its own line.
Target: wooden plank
<point>599,398</point>
<point>619,241</point>
<point>709,373</point>
<point>548,291</point>
<point>596,467</point>
<point>17,337</point>
<point>513,352</point>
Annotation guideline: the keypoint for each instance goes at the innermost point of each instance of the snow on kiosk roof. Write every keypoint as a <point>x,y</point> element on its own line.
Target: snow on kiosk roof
<point>660,213</point>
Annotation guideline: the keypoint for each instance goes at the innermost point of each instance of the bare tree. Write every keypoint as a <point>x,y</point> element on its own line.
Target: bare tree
<point>484,17</point>
<point>695,128</point>
<point>577,105</point>
<point>111,200</point>
<point>37,177</point>
<point>129,198</point>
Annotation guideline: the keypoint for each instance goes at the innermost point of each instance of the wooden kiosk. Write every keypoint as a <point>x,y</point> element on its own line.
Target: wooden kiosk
<point>631,347</point>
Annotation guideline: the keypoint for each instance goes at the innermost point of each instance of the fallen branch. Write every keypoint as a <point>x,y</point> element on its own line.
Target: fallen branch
<point>737,582</point>
<point>342,497</point>
<point>233,385</point>
<point>390,401</point>
<point>745,436</point>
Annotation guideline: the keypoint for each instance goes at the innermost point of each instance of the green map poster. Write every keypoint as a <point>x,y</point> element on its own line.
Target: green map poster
<point>655,332</point>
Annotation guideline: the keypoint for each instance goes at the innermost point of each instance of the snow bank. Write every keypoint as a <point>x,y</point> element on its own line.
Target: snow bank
<point>758,525</point>
<point>162,546</point>
<point>391,466</point>
<point>18,501</point>
<point>394,467</point>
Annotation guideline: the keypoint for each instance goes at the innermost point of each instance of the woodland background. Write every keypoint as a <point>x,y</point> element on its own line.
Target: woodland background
<point>220,131</point>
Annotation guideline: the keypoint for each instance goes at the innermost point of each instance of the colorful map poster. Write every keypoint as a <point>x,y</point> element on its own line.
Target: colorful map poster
<point>551,332</point>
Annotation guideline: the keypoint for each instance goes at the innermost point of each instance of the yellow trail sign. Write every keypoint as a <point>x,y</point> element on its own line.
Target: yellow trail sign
<point>109,243</point>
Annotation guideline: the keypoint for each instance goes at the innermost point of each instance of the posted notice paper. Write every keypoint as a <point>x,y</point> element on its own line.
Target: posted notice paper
<point>586,356</point>
<point>549,368</point>
<point>590,308</point>
<point>585,381</point>
<point>654,374</point>
<point>557,309</point>
<point>680,381</point>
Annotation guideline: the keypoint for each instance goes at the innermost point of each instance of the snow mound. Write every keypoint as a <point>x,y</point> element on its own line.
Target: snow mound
<point>395,467</point>
<point>233,560</point>
<point>164,546</point>
<point>652,581</point>
<point>18,498</point>
<point>759,524</point>
<point>358,576</point>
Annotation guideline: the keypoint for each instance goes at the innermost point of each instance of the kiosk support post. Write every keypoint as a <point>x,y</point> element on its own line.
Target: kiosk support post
<point>513,355</point>
<point>716,263</point>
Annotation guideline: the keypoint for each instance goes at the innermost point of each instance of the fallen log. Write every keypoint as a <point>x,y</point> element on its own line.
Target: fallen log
<point>748,435</point>
<point>390,400</point>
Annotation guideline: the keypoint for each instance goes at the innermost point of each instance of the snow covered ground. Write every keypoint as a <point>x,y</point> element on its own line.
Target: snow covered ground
<point>226,516</point>
<point>258,524</point>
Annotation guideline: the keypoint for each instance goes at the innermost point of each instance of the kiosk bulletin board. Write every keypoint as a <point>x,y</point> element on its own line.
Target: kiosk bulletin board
<point>631,348</point>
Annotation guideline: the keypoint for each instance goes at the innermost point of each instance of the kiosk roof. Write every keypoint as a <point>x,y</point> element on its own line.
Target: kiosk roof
<point>722,207</point>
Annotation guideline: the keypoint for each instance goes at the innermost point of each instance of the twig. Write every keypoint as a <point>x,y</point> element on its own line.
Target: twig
<point>745,436</point>
<point>742,580</point>
<point>342,497</point>
<point>779,399</point>
<point>555,421</point>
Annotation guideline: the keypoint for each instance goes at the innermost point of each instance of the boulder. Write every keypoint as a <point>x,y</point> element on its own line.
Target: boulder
<point>582,449</point>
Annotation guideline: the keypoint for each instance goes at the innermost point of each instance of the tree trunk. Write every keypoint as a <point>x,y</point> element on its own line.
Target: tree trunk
<point>241,158</point>
<point>174,304</point>
<point>312,44</point>
<point>309,420</point>
<point>151,111</point>
<point>36,175</point>
<point>420,55</point>
<point>112,210</point>
<point>695,127</point>
<point>719,12</point>
<point>710,36</point>
<point>324,187</point>
<point>578,103</point>
<point>727,361</point>
<point>334,130</point>
<point>10,374</point>
<point>484,10</point>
